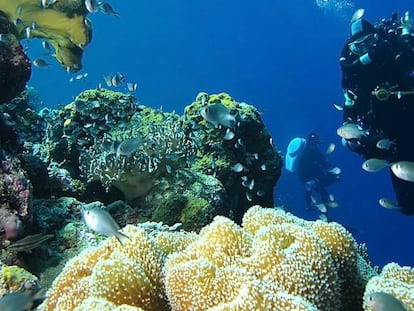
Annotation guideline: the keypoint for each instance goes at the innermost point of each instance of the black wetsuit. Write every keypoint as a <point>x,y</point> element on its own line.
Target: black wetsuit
<point>391,69</point>
<point>313,167</point>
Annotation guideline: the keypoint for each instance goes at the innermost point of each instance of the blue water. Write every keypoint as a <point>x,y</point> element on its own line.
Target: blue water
<point>281,56</point>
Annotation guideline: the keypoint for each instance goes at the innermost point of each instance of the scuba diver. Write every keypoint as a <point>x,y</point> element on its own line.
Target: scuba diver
<point>377,64</point>
<point>309,164</point>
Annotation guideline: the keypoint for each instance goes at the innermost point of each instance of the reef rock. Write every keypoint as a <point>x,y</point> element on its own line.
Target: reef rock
<point>15,197</point>
<point>186,197</point>
<point>109,138</point>
<point>15,67</point>
<point>242,156</point>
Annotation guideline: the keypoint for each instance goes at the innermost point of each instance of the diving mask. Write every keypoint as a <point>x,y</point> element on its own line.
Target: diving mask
<point>362,45</point>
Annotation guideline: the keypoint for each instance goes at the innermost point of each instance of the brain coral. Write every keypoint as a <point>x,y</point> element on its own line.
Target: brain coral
<point>394,280</point>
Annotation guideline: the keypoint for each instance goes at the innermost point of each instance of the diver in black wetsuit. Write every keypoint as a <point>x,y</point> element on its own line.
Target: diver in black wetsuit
<point>377,64</point>
<point>308,162</point>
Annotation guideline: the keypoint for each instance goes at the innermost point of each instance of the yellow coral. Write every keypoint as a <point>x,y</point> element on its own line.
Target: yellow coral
<point>103,305</point>
<point>340,242</point>
<point>258,217</point>
<point>122,274</point>
<point>230,266</point>
<point>14,278</point>
<point>274,261</point>
<point>171,242</point>
<point>394,280</point>
<point>68,32</point>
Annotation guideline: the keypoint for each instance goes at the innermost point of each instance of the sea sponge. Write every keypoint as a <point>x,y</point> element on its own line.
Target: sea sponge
<point>65,27</point>
<point>394,280</point>
<point>273,255</point>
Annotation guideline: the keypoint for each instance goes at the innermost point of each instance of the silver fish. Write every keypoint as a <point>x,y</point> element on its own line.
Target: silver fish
<point>238,167</point>
<point>91,5</point>
<point>16,302</point>
<point>117,79</point>
<point>38,62</point>
<point>374,165</point>
<point>132,87</point>
<point>403,170</point>
<point>128,146</point>
<point>384,144</point>
<point>350,130</point>
<point>229,135</point>
<point>332,204</point>
<point>47,3</point>
<point>388,203</point>
<point>28,32</point>
<point>108,80</point>
<point>380,301</point>
<point>330,149</point>
<point>322,208</point>
<point>46,46</point>
<point>218,114</point>
<point>323,217</point>
<point>99,220</point>
<point>335,170</point>
<point>106,8</point>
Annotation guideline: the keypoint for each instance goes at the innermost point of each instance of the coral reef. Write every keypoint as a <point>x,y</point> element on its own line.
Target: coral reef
<point>185,197</point>
<point>274,261</point>
<point>63,24</point>
<point>116,141</point>
<point>106,141</point>
<point>15,197</point>
<point>19,114</point>
<point>396,281</point>
<point>15,279</point>
<point>243,158</point>
<point>15,67</point>
<point>132,158</point>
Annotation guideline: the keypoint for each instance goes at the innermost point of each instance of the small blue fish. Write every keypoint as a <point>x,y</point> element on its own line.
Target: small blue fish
<point>91,5</point>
